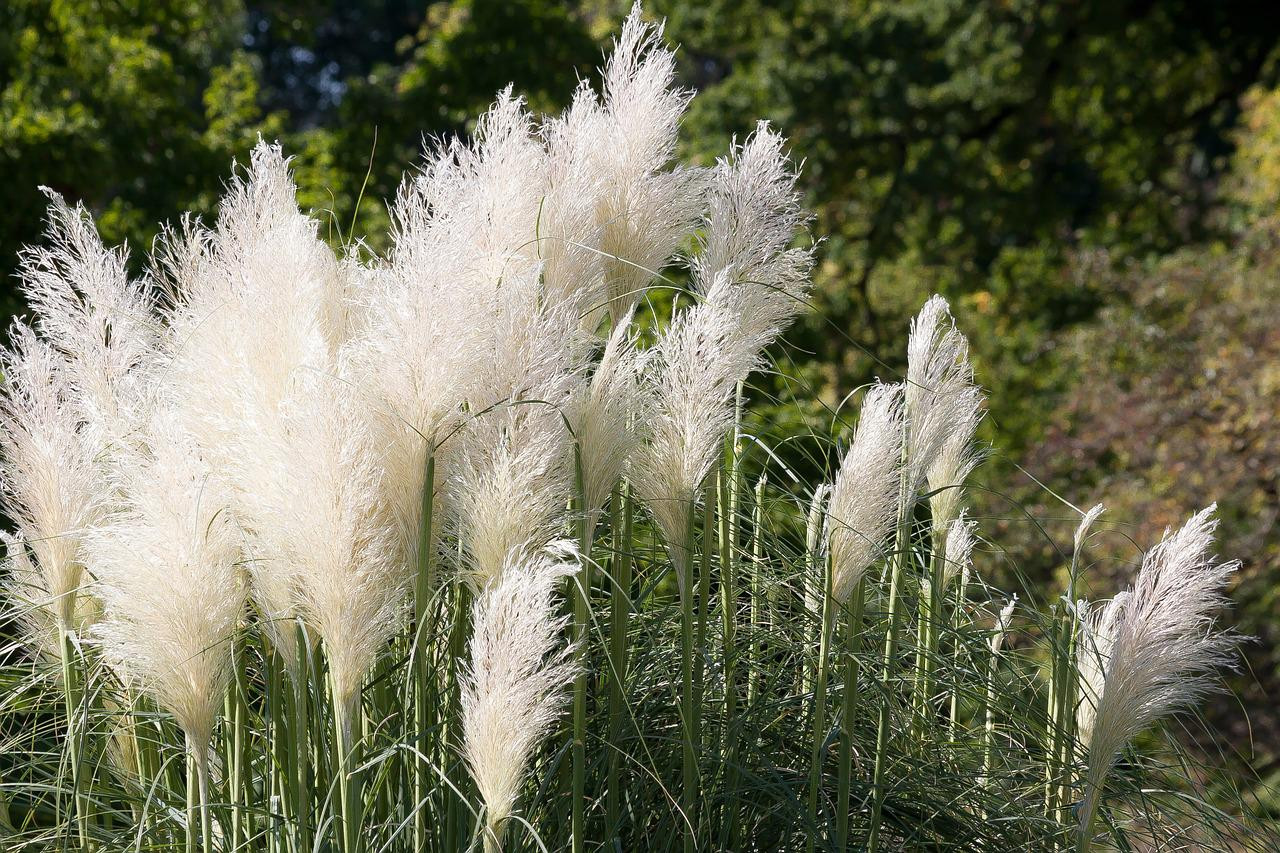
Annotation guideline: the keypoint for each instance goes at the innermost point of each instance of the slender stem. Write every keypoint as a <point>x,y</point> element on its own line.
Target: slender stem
<point>758,611</point>
<point>620,611</point>
<point>1089,813</point>
<point>962,594</point>
<point>456,815</point>
<point>193,845</point>
<point>889,666</point>
<point>726,513</point>
<point>689,791</point>
<point>72,699</point>
<point>852,640</point>
<point>299,742</point>
<point>704,595</point>
<point>492,840</point>
<point>238,750</point>
<point>424,704</point>
<point>198,758</point>
<point>278,723</point>
<point>819,710</point>
<point>344,713</point>
<point>581,605</point>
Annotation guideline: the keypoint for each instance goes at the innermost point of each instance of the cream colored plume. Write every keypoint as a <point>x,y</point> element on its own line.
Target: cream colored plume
<point>942,403</point>
<point>165,564</point>
<point>74,392</point>
<point>260,311</point>
<point>864,500</point>
<point>605,417</point>
<point>1151,651</point>
<point>752,286</point>
<point>512,689</point>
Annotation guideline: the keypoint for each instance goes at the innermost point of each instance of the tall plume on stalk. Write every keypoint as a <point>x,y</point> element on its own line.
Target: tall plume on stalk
<point>165,562</point>
<point>643,210</point>
<point>260,311</point>
<point>956,459</point>
<point>752,285</point>
<point>942,405</point>
<point>338,543</point>
<point>1151,651</point>
<point>864,498</point>
<point>73,391</point>
<point>470,223</point>
<point>958,559</point>
<point>514,683</point>
<point>604,415</point>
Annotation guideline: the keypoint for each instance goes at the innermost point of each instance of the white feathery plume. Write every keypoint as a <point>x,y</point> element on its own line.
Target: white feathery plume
<point>513,686</point>
<point>959,550</point>
<point>469,217</point>
<point>337,542</point>
<point>413,361</point>
<point>98,320</point>
<point>955,461</point>
<point>752,287</point>
<point>754,214</point>
<point>697,364</point>
<point>1151,651</point>
<point>510,488</point>
<point>815,548</point>
<point>165,566</point>
<point>1085,526</point>
<point>52,489</point>
<point>74,390</point>
<point>939,392</point>
<point>644,210</point>
<point>864,499</point>
<point>260,309</point>
<point>604,415</point>
<point>1003,620</point>
<point>566,231</point>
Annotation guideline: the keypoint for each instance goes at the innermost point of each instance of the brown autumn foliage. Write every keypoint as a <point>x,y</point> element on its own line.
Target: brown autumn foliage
<point>1175,400</point>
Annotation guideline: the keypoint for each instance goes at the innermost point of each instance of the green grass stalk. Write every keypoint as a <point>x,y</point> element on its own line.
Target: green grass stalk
<point>619,613</point>
<point>581,609</point>
<point>852,646</point>
<point>897,569</point>
<point>820,710</point>
<point>72,695</point>
<point>758,592</point>
<point>345,763</point>
<point>689,766</point>
<point>424,698</point>
<point>299,743</point>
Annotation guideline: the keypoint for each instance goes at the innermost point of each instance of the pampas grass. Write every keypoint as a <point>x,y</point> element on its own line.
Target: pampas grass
<point>300,523</point>
<point>864,499</point>
<point>1150,651</point>
<point>514,682</point>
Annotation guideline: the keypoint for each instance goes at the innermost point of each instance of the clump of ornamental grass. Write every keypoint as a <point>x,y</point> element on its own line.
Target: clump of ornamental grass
<point>468,546</point>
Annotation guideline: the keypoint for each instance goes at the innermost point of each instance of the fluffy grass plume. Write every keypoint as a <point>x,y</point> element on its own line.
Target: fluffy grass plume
<point>941,401</point>
<point>864,498</point>
<point>166,563</point>
<point>1151,651</point>
<point>513,687</point>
